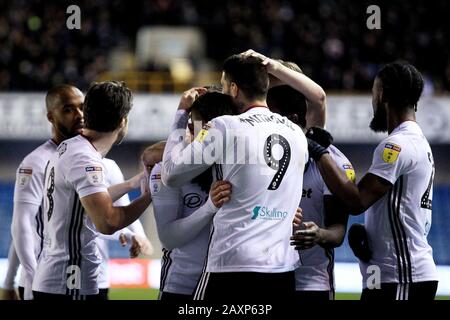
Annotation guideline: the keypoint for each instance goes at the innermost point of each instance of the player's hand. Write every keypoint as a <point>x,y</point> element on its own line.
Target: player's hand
<point>220,193</point>
<point>140,244</point>
<point>307,237</point>
<point>359,242</point>
<point>315,150</point>
<point>297,219</point>
<point>319,135</point>
<point>188,97</point>
<point>8,294</point>
<point>270,64</point>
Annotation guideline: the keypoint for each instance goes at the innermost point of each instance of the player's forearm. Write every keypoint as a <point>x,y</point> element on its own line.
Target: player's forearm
<point>299,81</point>
<point>13,266</point>
<point>177,164</point>
<point>340,185</point>
<point>120,217</point>
<point>316,114</point>
<point>332,236</point>
<point>117,191</point>
<point>22,234</point>
<point>179,232</point>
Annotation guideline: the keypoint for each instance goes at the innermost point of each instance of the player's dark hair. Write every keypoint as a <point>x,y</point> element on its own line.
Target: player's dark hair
<point>288,102</point>
<point>213,104</point>
<point>106,104</point>
<point>55,92</point>
<point>209,106</point>
<point>402,84</point>
<point>249,74</point>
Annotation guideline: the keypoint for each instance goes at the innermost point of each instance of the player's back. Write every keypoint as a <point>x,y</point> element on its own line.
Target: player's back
<point>264,161</point>
<point>70,257</point>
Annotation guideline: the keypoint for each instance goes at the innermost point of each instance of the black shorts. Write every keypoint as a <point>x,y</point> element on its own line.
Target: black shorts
<point>175,297</point>
<point>104,293</point>
<point>43,296</point>
<point>311,296</point>
<point>21,293</point>
<point>245,286</point>
<point>418,291</point>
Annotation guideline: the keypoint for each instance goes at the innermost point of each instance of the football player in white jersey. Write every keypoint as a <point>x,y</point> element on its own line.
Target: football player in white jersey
<point>64,105</point>
<point>324,219</point>
<point>183,214</point>
<point>77,202</point>
<point>396,192</point>
<point>249,252</point>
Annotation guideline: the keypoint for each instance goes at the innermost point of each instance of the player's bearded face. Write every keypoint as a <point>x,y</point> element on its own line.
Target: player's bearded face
<point>379,121</point>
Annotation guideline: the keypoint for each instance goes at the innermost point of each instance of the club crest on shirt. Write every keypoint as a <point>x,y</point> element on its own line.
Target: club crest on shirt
<point>94,175</point>
<point>155,183</point>
<point>62,148</point>
<point>391,152</point>
<point>24,177</point>
<point>350,172</point>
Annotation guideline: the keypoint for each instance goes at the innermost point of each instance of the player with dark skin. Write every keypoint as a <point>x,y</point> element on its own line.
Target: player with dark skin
<point>358,198</point>
<point>64,105</point>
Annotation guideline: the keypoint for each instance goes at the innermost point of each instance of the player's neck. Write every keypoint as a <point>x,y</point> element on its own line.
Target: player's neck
<point>247,105</point>
<point>102,141</point>
<point>58,138</point>
<point>397,118</point>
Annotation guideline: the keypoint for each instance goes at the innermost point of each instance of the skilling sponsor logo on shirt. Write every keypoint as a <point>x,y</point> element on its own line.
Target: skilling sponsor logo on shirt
<point>265,213</point>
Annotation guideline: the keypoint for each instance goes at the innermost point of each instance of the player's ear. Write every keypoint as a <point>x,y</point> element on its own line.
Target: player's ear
<point>124,122</point>
<point>50,117</point>
<point>234,90</point>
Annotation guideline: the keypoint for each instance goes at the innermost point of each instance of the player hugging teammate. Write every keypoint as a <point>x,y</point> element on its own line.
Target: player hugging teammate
<point>227,186</point>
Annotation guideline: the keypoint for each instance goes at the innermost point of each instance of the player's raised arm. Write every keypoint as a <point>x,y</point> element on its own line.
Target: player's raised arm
<point>316,115</point>
<point>357,198</point>
<point>183,162</point>
<point>174,231</point>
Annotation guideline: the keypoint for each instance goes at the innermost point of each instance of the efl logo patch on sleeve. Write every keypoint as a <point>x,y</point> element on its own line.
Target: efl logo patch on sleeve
<point>94,175</point>
<point>24,177</point>
<point>350,172</point>
<point>155,183</point>
<point>391,152</point>
<point>202,135</point>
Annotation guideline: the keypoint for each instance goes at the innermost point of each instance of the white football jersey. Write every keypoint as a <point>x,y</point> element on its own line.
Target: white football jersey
<point>69,262</point>
<point>113,176</point>
<point>182,266</point>
<point>262,155</point>
<point>398,224</point>
<point>316,272</point>
<point>28,188</point>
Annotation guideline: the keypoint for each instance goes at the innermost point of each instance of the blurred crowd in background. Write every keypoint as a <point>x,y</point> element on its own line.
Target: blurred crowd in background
<point>329,39</point>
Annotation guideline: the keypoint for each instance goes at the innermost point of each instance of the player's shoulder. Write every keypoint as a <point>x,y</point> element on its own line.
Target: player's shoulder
<point>225,120</point>
<point>40,156</point>
<point>342,162</point>
<point>76,148</point>
<point>337,155</point>
<point>397,143</point>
